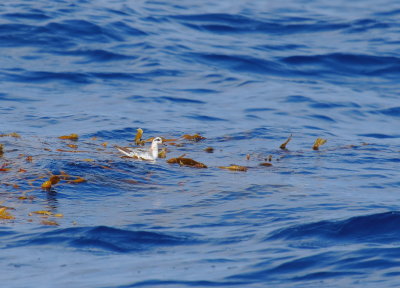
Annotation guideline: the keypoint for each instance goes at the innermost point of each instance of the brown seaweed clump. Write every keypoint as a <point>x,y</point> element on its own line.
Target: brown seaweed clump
<point>234,168</point>
<point>186,162</point>
<point>318,142</point>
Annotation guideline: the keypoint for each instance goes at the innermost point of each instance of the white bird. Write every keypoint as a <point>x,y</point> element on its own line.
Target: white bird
<point>141,153</point>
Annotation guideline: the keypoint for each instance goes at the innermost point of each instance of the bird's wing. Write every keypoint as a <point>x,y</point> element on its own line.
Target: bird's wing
<point>125,150</point>
<point>133,152</point>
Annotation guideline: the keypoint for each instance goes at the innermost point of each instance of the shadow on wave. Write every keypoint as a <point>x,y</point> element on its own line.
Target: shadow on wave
<point>104,239</point>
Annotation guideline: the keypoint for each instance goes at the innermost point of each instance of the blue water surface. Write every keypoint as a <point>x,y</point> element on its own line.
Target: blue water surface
<point>243,74</point>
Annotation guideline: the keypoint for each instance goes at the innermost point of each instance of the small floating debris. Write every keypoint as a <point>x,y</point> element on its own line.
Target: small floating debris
<point>318,142</point>
<point>72,136</point>
<point>266,164</point>
<point>186,162</point>
<point>283,145</point>
<point>234,168</point>
<point>1,150</point>
<point>209,150</point>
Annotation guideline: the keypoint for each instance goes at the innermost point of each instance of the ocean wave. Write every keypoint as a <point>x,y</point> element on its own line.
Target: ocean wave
<point>228,23</point>
<point>83,77</point>
<point>344,249</point>
<point>96,55</point>
<point>394,111</point>
<point>345,64</point>
<point>103,239</point>
<point>375,228</point>
<point>357,65</point>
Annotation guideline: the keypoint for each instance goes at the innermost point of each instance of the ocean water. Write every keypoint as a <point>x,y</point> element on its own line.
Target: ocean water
<point>245,75</point>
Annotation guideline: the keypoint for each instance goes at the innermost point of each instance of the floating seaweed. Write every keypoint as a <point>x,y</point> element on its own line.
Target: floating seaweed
<point>46,185</point>
<point>138,137</point>
<point>174,144</point>
<point>186,162</point>
<point>283,145</point>
<point>13,134</point>
<point>318,142</point>
<point>162,153</point>
<point>21,172</point>
<point>4,214</point>
<point>4,168</point>
<point>77,180</point>
<point>234,168</point>
<point>49,223</point>
<point>55,179</point>
<point>43,212</point>
<point>72,136</point>
<point>195,137</point>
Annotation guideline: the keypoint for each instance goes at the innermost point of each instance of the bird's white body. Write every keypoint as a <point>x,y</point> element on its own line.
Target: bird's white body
<point>150,154</point>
